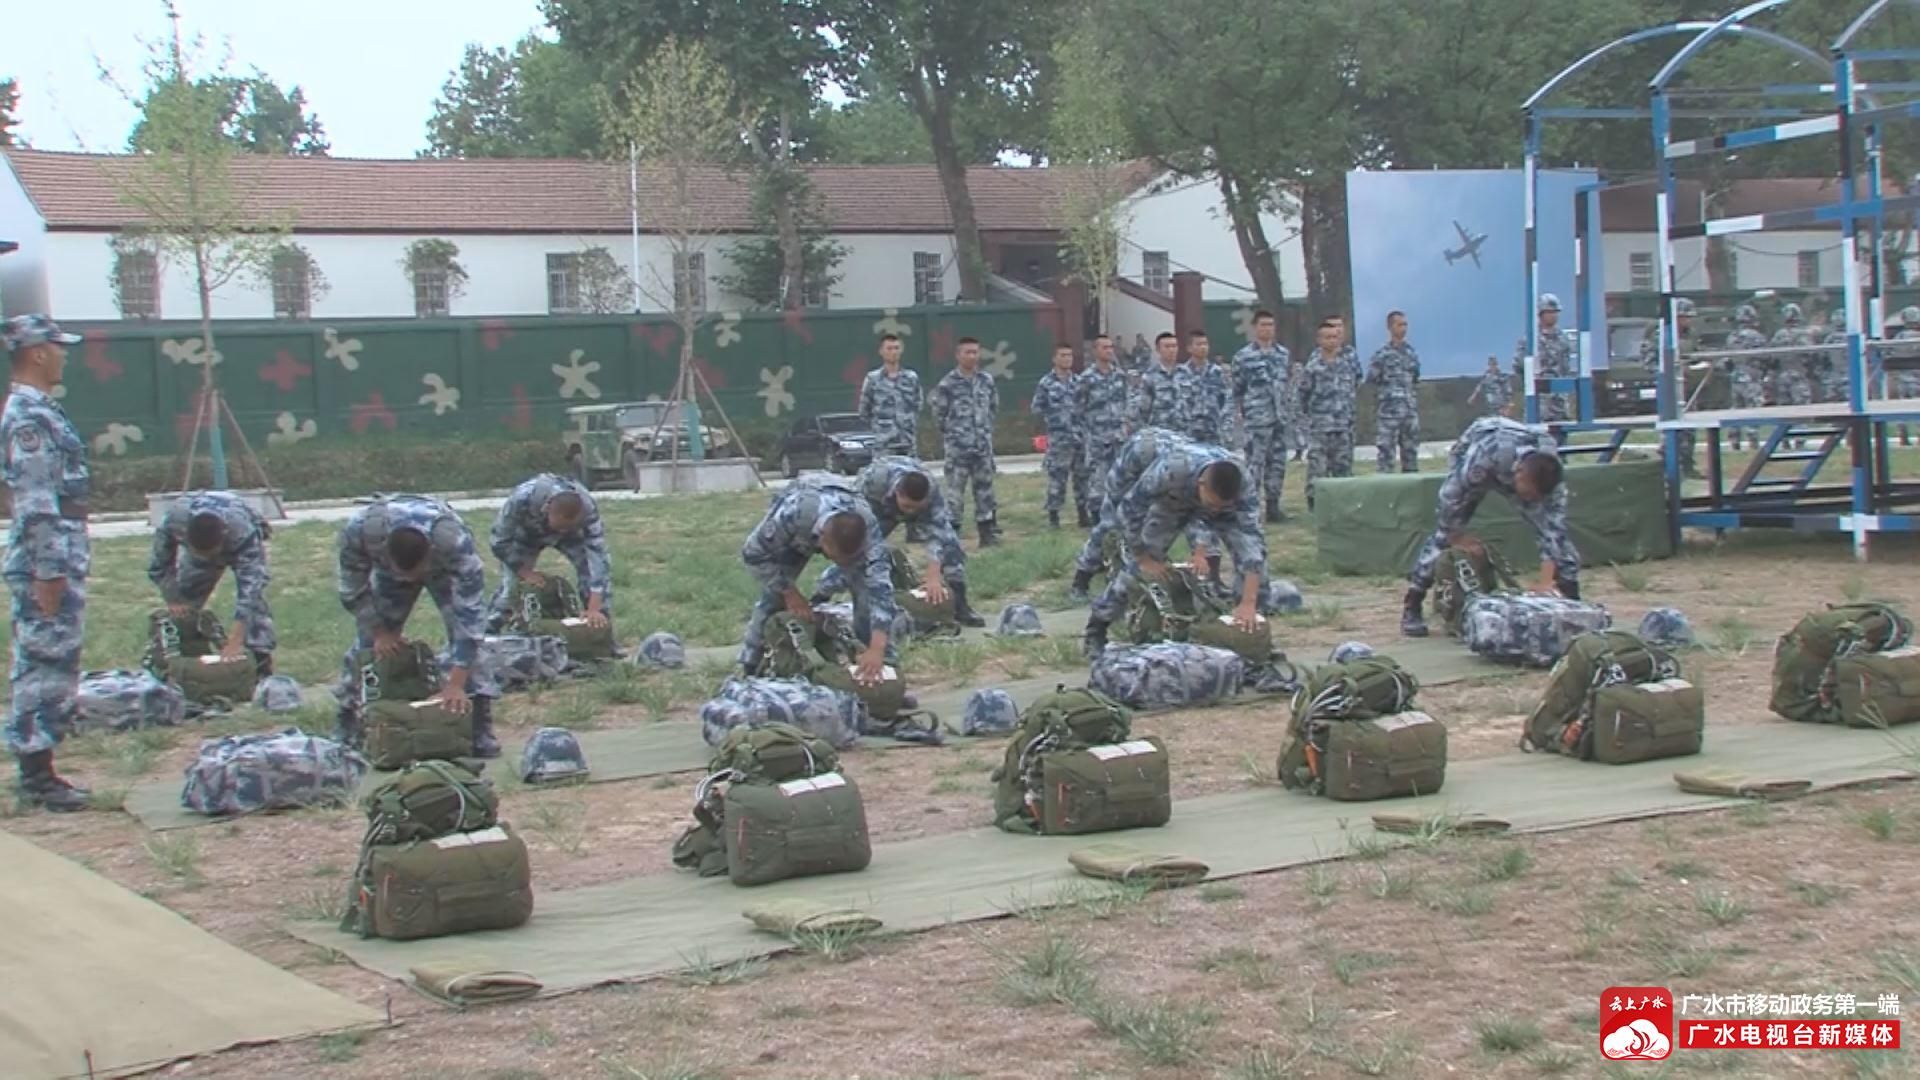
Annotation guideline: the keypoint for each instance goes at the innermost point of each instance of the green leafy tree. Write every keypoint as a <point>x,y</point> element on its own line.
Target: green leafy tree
<point>252,113</point>
<point>435,255</point>
<point>760,270</point>
<point>1090,138</point>
<point>9,106</point>
<point>536,100</point>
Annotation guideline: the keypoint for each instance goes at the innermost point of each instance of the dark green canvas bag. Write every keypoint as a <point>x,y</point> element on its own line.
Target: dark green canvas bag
<point>553,609</point>
<point>450,885</point>
<point>1065,720</point>
<point>1643,721</point>
<point>1592,661</point>
<point>909,592</point>
<point>399,733</point>
<point>1101,788</point>
<point>1804,687</point>
<point>428,801</point>
<point>1880,689</point>
<point>795,828</point>
<point>824,654</point>
<point>186,653</point>
<point>413,674</point>
<point>1467,569</point>
<point>1184,608</point>
<point>748,757</point>
<point>1332,703</point>
<point>1391,757</point>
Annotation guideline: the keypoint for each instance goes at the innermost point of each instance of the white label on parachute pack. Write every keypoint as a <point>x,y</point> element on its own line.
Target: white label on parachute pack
<point>1258,620</point>
<point>919,594</point>
<point>1125,749</point>
<point>494,835</point>
<point>573,622</point>
<point>210,660</point>
<point>1666,686</point>
<point>1402,720</point>
<point>819,783</point>
<point>887,674</point>
<point>1911,650</point>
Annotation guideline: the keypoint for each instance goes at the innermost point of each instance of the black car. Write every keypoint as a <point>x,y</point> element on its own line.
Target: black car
<point>839,442</point>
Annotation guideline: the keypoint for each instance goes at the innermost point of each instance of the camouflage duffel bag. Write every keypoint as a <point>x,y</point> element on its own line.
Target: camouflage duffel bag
<point>213,681</point>
<point>1167,675</point>
<point>1878,689</point>
<point>836,717</point>
<point>430,800</point>
<point>517,661</point>
<point>1804,658</point>
<point>451,885</point>
<point>1643,721</point>
<point>244,774</point>
<point>795,828</point>
<point>1533,629</point>
<point>399,733</point>
<point>126,700</point>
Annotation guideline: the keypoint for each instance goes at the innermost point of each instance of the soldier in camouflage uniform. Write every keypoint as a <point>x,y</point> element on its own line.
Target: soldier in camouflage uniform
<point>890,399</point>
<point>1749,375</point>
<point>48,557</point>
<point>1555,359</point>
<point>205,534</point>
<point>1103,402</point>
<point>964,406</point>
<point>1395,370</point>
<point>1649,358</point>
<point>818,517</point>
<point>1056,401</point>
<point>1164,388</point>
<point>1171,485</point>
<point>1793,381</point>
<point>1293,421</point>
<point>1327,390</point>
<point>898,490</point>
<point>1205,419</point>
<point>1906,384</point>
<point>1496,454</point>
<point>390,551</point>
<point>1261,373</point>
<point>1831,364</point>
<point>1494,392</point>
<point>556,512</point>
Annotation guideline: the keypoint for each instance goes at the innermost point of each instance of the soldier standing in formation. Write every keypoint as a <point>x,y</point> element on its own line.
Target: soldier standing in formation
<point>1749,374</point>
<point>1521,463</point>
<point>1164,387</point>
<point>556,512</point>
<point>1649,357</point>
<point>1292,420</point>
<point>890,399</point>
<point>205,534</point>
<point>1327,391</point>
<point>1395,370</point>
<point>898,489</point>
<point>1260,378</point>
<point>1906,384</point>
<point>389,552</point>
<point>816,517</point>
<point>1056,401</point>
<point>964,407</point>
<point>1103,402</point>
<point>1206,404</point>
<point>1793,382</point>
<point>1832,363</point>
<point>1554,360</point>
<point>1494,392</point>
<point>48,556</point>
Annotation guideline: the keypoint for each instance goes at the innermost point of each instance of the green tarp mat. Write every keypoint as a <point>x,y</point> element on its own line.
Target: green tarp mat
<point>674,746</point>
<point>662,923</point>
<point>92,969</point>
<point>1376,524</point>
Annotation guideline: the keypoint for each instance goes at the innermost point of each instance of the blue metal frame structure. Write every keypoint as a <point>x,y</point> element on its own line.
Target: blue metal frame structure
<point>1871,501</point>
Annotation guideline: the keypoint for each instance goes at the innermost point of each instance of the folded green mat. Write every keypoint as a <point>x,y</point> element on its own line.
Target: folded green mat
<point>1117,861</point>
<point>1734,785</point>
<point>794,915</point>
<point>463,984</point>
<point>1470,825</point>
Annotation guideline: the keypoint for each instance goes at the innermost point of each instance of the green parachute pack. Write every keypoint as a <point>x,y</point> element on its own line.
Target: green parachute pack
<point>186,652</point>
<point>553,609</point>
<point>1072,767</point>
<point>1469,567</point>
<point>436,859</point>
<point>1355,735</point>
<point>1807,665</point>
<point>774,805</point>
<point>401,724</point>
<point>1186,608</point>
<point>1615,698</point>
<point>909,592</point>
<point>824,653</point>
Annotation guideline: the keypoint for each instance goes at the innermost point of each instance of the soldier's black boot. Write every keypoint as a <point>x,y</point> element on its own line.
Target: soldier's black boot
<point>1568,589</point>
<point>1274,513</point>
<point>820,596</point>
<point>1094,642</point>
<point>963,612</point>
<point>989,532</point>
<point>263,664</point>
<point>42,787</point>
<point>1082,580</point>
<point>1053,519</point>
<point>484,744</point>
<point>1412,622</point>
<point>1086,519</point>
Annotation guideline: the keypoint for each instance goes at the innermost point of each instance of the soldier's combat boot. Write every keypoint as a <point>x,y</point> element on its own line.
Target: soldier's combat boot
<point>989,532</point>
<point>1568,589</point>
<point>263,664</point>
<point>1086,519</point>
<point>1274,514</point>
<point>484,744</point>
<point>963,612</point>
<point>1082,579</point>
<point>1053,519</point>
<point>1412,622</point>
<point>1094,641</point>
<point>42,787</point>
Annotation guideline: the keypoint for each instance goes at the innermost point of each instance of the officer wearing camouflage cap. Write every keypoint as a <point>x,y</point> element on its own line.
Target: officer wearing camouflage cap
<point>1750,373</point>
<point>47,557</point>
<point>1555,358</point>
<point>1650,346</point>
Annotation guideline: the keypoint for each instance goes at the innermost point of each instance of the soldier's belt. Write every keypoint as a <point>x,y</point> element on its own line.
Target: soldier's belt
<point>73,510</point>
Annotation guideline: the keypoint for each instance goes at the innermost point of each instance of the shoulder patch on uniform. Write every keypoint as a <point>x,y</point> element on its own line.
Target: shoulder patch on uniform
<point>27,437</point>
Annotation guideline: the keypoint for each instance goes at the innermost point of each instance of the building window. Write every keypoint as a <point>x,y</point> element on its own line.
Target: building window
<point>1809,269</point>
<point>563,284</point>
<point>929,280</point>
<point>1640,271</point>
<point>136,277</point>
<point>292,284</point>
<point>1156,272</point>
<point>815,292</point>
<point>690,281</point>
<point>430,292</point>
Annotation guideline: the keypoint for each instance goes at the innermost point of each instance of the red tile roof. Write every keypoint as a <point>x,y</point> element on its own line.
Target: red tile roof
<point>82,192</point>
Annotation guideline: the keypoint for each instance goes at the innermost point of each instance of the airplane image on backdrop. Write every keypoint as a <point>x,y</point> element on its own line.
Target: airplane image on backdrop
<point>1469,246</point>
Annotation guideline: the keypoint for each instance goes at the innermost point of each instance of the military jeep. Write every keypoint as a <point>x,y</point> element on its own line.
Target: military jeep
<point>608,441</point>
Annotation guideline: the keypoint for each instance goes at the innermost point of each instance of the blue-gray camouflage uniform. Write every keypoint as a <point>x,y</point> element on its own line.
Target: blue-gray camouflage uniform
<point>1793,377</point>
<point>1260,382</point>
<point>1555,361</point>
<point>1163,395</point>
<point>521,532</point>
<point>1906,384</point>
<point>185,577</point>
<point>1328,387</point>
<point>1482,461</point>
<point>964,408</point>
<point>1495,392</point>
<point>50,482</point>
<point>1136,455</point>
<point>779,548</point>
<point>1056,401</point>
<point>1103,402</point>
<point>372,588</point>
<point>1395,371</point>
<point>890,406</point>
<point>1161,501</point>
<point>1649,358</point>
<point>1750,374</point>
<point>1205,406</point>
<point>877,484</point>
<point>1293,420</point>
<point>1831,364</point>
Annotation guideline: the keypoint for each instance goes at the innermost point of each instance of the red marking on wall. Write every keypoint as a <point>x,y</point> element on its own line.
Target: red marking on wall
<point>494,333</point>
<point>716,379</point>
<point>520,419</point>
<point>105,368</point>
<point>661,338</point>
<point>940,351</point>
<point>372,410</point>
<point>183,421</point>
<point>285,372</point>
<point>855,372</point>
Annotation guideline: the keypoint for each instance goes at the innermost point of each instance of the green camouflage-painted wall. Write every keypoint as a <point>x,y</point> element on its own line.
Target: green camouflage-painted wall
<point>134,388</point>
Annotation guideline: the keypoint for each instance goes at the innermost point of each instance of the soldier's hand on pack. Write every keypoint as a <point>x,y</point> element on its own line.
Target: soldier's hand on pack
<point>1247,615</point>
<point>936,589</point>
<point>798,607</point>
<point>533,578</point>
<point>48,594</point>
<point>866,671</point>
<point>388,643</point>
<point>596,618</point>
<point>1198,563</point>
<point>232,649</point>
<point>1152,568</point>
<point>454,699</point>
<point>1546,583</point>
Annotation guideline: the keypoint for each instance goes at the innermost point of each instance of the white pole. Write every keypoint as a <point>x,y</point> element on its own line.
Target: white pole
<point>633,207</point>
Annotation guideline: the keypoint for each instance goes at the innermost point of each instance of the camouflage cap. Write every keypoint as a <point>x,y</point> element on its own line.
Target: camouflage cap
<point>1348,651</point>
<point>1790,313</point>
<point>1683,306</point>
<point>1747,315</point>
<point>25,331</point>
<point>277,693</point>
<point>989,712</point>
<point>1549,302</point>
<point>1910,317</point>
<point>1019,620</point>
<point>663,650</point>
<point>552,753</point>
<point>1280,596</point>
<point>1667,626</point>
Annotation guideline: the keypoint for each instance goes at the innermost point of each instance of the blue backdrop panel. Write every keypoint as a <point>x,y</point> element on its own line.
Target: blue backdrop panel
<point>1408,253</point>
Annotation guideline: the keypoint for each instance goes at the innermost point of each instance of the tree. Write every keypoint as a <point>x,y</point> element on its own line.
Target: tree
<point>535,101</point>
<point>431,257</point>
<point>760,271</point>
<point>252,113</point>
<point>9,104</point>
<point>943,58</point>
<point>1090,137</point>
<point>878,127</point>
<point>605,286</point>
